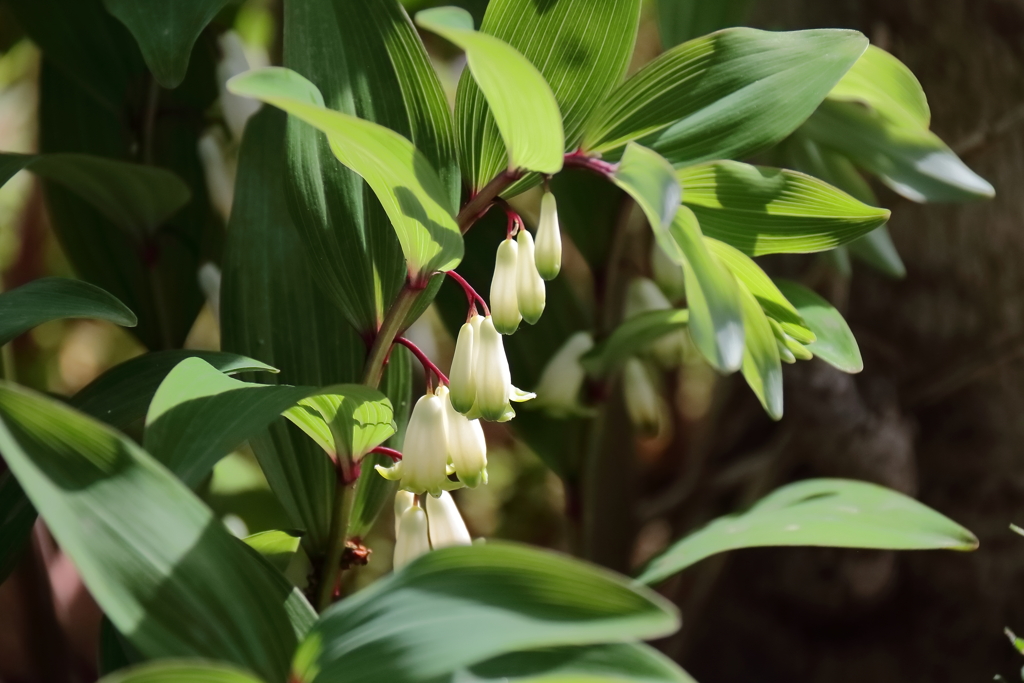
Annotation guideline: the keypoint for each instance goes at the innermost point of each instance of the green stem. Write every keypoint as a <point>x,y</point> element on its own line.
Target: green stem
<point>389,329</point>
<point>339,530</point>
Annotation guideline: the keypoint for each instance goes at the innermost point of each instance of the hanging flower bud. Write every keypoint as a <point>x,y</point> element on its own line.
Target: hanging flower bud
<point>494,389</point>
<point>445,523</point>
<point>643,295</point>
<point>667,273</point>
<point>549,239</point>
<point>462,378</point>
<point>562,379</point>
<point>504,301</point>
<point>424,464</point>
<point>644,403</point>
<point>467,447</point>
<point>529,283</point>
<point>403,501</point>
<point>412,540</point>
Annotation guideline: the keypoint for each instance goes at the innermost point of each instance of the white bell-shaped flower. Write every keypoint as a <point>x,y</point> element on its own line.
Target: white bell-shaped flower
<point>445,523</point>
<point>667,273</point>
<point>558,391</point>
<point>412,539</point>
<point>504,300</point>
<point>424,464</point>
<point>494,389</point>
<point>462,378</point>
<point>403,501</point>
<point>644,404</point>
<point>548,254</point>
<point>530,289</point>
<point>467,447</point>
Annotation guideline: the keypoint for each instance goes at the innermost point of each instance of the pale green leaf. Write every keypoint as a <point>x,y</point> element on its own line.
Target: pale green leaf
<point>277,547</point>
<point>763,210</point>
<point>762,367</point>
<point>580,47</point>
<point>458,606</point>
<point>407,186</point>
<point>726,95</point>
<point>651,182</point>
<point>181,671</point>
<point>346,418</point>
<point>54,298</point>
<point>520,100</point>
<point>885,84</point>
<point>631,337</point>
<point>914,163</point>
<point>837,513</point>
<point>835,343</point>
<point>620,662</point>
<point>716,320</point>
<point>137,198</point>
<point>166,30</point>
<point>169,575</point>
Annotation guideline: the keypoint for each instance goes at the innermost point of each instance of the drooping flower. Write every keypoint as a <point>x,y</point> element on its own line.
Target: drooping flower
<point>548,254</point>
<point>424,464</point>
<point>462,378</point>
<point>644,403</point>
<point>403,501</point>
<point>530,288</point>
<point>444,522</point>
<point>412,539</point>
<point>504,298</point>
<point>467,447</point>
<point>558,390</point>
<point>493,379</point>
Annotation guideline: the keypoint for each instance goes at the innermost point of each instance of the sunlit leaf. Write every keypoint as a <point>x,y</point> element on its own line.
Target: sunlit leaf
<point>181,671</point>
<point>835,343</point>
<point>582,664</point>
<point>458,606</point>
<point>762,367</point>
<point>277,547</point>
<point>407,186</point>
<point>726,95</point>
<point>633,336</point>
<point>520,100</point>
<point>54,298</point>
<point>651,182</point>
<point>346,418</point>
<point>837,513</point>
<point>885,84</point>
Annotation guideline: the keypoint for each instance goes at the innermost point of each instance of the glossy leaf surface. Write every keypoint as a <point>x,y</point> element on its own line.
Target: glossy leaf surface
<point>583,664</point>
<point>457,606</point>
<point>836,513</point>
<point>650,181</point>
<point>835,343</point>
<point>885,84</point>
<point>54,298</point>
<point>346,418</point>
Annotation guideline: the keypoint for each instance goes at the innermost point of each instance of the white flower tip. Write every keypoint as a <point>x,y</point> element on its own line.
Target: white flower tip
<point>549,239</point>
<point>530,288</point>
<point>504,299</point>
<point>445,523</point>
<point>412,539</point>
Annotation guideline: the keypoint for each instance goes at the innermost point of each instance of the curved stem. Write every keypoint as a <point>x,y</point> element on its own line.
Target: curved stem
<point>385,336</point>
<point>471,294</point>
<point>389,452</point>
<point>578,159</point>
<point>482,201</point>
<point>428,365</point>
<point>339,531</point>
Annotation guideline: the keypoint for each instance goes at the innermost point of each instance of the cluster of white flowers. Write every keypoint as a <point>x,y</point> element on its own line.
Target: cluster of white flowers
<point>419,530</point>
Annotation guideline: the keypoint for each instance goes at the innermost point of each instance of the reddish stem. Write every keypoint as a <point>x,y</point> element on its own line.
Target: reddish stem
<point>390,452</point>
<point>578,159</point>
<point>481,202</point>
<point>428,365</point>
<point>471,294</point>
<point>515,222</point>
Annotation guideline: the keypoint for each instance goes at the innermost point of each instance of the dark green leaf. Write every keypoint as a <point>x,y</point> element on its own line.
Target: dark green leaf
<point>272,309</point>
<point>120,396</point>
<point>168,575</point>
<point>53,298</point>
<point>16,518</point>
<point>367,60</point>
<point>458,606</point>
<point>631,337</point>
<point>583,664</point>
<point>726,95</point>
<point>166,31</point>
<point>837,513</point>
<point>835,342</point>
<point>762,210</point>
<point>115,652</point>
<point>580,47</point>
<point>762,367</point>
<point>181,671</point>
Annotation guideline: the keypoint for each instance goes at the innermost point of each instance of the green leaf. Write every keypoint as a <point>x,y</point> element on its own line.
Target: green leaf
<point>836,513</point>
<point>835,342</point>
<point>53,298</point>
<point>580,47</point>
<point>277,547</point>
<point>631,337</point>
<point>914,163</point>
<point>272,309</point>
<point>169,575</point>
<point>716,320</point>
<point>580,664</point>
<point>166,31</point>
<point>772,301</point>
<point>136,198</point>
<point>121,395</point>
<point>346,418</point>
<point>885,84</point>
<point>199,415</point>
<point>181,671</point>
<point>763,210</point>
<point>682,20</point>
<point>115,652</point>
<point>16,519</point>
<point>368,61</point>
<point>407,186</point>
<point>651,182</point>
<point>726,95</point>
<point>520,100</point>
<point>458,606</point>
<point>762,367</point>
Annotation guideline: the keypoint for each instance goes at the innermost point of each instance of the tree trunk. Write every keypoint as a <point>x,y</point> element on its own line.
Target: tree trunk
<point>937,412</point>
